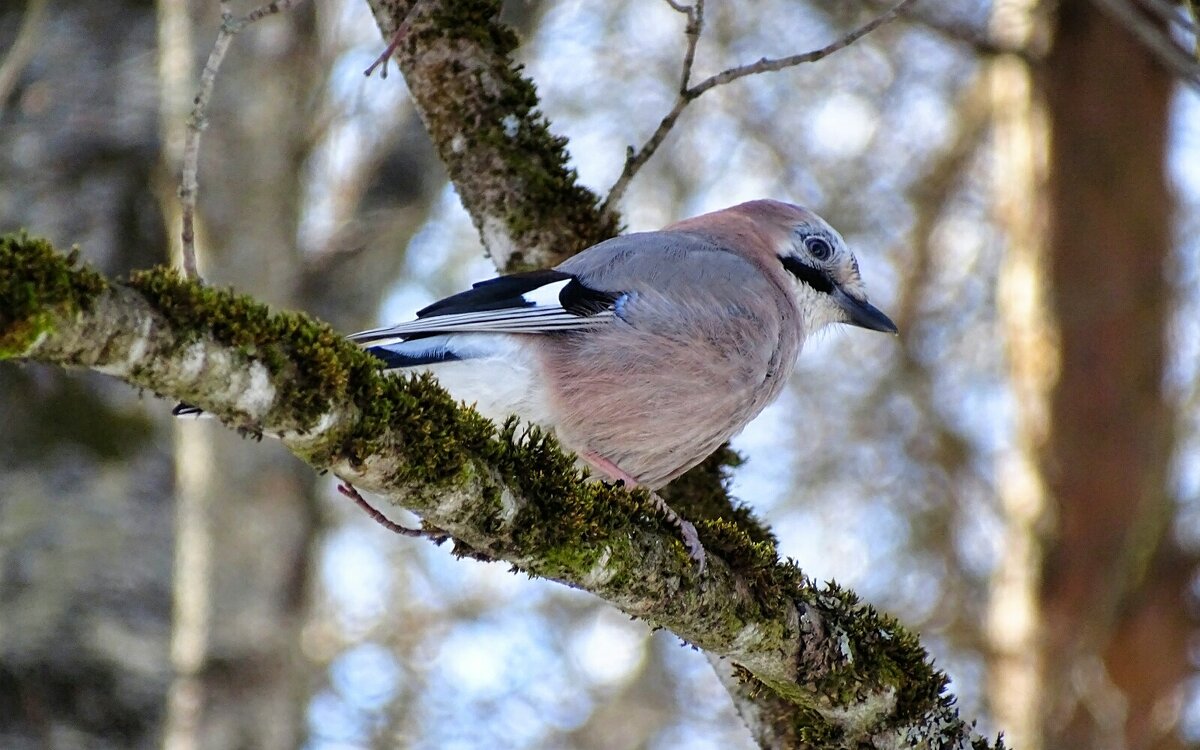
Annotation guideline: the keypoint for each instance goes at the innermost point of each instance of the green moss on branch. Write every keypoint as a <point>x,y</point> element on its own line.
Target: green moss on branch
<point>482,113</point>
<point>37,283</point>
<point>310,364</point>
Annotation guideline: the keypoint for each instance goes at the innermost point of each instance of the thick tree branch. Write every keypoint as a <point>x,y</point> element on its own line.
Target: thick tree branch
<point>510,170</point>
<point>851,676</point>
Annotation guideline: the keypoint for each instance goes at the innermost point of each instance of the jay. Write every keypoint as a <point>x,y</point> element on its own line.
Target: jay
<point>646,352</point>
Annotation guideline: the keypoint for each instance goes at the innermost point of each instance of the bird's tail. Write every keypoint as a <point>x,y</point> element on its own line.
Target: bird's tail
<point>429,350</point>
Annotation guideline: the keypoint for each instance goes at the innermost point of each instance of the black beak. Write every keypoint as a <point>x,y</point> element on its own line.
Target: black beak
<point>863,314</point>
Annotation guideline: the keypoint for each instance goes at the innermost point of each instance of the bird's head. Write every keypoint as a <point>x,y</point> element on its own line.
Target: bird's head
<point>825,276</point>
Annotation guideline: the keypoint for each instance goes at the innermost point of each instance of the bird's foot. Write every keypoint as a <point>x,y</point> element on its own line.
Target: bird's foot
<point>691,541</point>
<point>687,530</point>
<point>687,533</point>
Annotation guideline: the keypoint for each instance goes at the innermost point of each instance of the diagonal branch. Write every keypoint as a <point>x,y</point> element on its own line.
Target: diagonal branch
<point>1151,34</point>
<point>692,32</point>
<point>1193,7</point>
<point>22,49</point>
<point>635,160</point>
<point>768,65</point>
<point>843,674</point>
<point>510,170</point>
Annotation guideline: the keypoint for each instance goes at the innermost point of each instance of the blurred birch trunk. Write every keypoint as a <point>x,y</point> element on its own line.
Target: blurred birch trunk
<point>245,519</point>
<point>1016,688</point>
<point>1088,636</point>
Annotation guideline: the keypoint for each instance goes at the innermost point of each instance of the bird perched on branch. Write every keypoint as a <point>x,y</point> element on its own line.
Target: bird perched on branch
<point>646,352</point>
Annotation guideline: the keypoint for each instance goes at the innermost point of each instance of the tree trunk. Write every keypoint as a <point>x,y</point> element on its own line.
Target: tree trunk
<point>1113,582</point>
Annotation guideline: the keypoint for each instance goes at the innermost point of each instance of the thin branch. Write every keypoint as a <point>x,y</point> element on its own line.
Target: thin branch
<point>196,123</point>
<point>770,65</point>
<point>22,48</point>
<point>1155,39</point>
<point>1171,13</point>
<point>381,62</point>
<point>348,490</point>
<point>189,186</point>
<point>636,159</point>
<point>402,30</point>
<point>1194,8</point>
<point>693,30</point>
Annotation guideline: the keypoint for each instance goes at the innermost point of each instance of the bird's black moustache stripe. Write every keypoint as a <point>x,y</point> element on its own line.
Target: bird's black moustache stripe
<point>816,279</point>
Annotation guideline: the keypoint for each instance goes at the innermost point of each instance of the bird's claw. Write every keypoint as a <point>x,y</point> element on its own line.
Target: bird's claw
<point>691,542</point>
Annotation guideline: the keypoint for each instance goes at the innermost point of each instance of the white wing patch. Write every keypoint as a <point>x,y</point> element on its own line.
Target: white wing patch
<point>547,295</point>
<point>539,310</point>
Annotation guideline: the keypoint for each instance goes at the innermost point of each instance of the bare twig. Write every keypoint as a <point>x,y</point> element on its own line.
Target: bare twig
<point>1154,38</point>
<point>196,123</point>
<point>198,120</point>
<point>22,48</point>
<point>695,26</point>
<point>350,491</point>
<point>1171,13</point>
<point>381,62</point>
<point>402,28</point>
<point>635,160</point>
<point>1194,9</point>
<point>770,65</point>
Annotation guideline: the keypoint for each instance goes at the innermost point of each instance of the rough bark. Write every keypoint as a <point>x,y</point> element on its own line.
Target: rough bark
<point>853,676</point>
<point>510,170</point>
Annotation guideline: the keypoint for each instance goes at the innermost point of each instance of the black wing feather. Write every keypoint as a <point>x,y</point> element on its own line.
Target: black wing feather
<point>500,293</point>
<point>578,299</point>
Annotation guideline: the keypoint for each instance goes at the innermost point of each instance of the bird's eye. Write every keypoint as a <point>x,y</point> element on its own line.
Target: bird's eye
<point>819,248</point>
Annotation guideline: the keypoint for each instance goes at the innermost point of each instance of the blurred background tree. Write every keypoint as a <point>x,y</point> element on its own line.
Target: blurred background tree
<point>1014,477</point>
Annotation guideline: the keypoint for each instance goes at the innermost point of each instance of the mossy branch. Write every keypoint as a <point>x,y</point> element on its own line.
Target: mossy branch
<point>510,171</point>
<point>842,673</point>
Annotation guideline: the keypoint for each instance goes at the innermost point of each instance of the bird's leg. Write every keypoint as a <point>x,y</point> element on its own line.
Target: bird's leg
<point>687,531</point>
